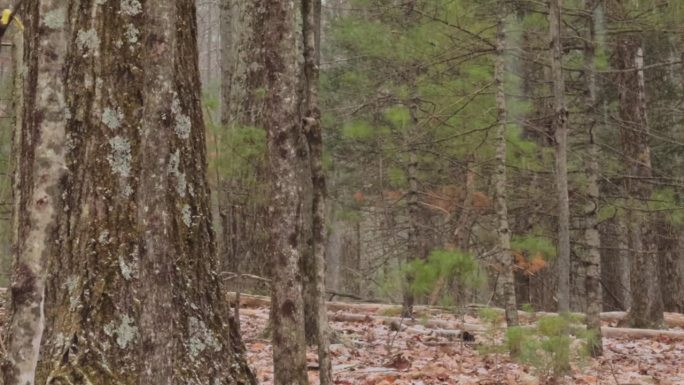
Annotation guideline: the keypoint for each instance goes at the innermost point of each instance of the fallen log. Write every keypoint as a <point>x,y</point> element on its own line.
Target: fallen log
<point>610,332</point>
<point>249,300</point>
<point>672,320</point>
<point>394,321</point>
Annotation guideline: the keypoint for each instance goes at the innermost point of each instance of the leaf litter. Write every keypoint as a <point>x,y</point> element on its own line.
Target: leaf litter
<point>371,353</point>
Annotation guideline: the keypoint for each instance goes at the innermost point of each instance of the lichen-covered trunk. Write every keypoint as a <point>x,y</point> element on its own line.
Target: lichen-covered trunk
<point>560,130</point>
<point>592,252</point>
<point>646,300</point>
<point>287,150</point>
<point>507,278</point>
<point>40,168</point>
<point>132,294</point>
<point>316,316</point>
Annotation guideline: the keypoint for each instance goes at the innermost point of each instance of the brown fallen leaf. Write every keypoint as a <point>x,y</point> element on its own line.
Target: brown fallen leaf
<point>399,362</point>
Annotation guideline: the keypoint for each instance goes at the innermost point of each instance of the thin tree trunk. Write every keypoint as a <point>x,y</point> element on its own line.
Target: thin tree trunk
<point>624,262</point>
<point>414,249</point>
<point>317,328</point>
<point>231,75</point>
<point>560,118</point>
<point>592,255</point>
<point>289,213</point>
<point>41,169</point>
<point>507,277</point>
<point>646,300</point>
<point>242,108</point>
<point>672,285</point>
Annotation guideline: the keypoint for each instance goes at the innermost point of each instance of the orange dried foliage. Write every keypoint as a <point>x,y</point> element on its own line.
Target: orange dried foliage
<point>529,266</point>
<point>444,199</point>
<point>481,201</point>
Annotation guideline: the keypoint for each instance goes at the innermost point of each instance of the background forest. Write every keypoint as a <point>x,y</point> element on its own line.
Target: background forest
<point>446,168</point>
<point>408,94</point>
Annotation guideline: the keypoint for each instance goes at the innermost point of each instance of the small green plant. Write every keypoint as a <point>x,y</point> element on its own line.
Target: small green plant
<point>493,319</point>
<point>549,346</point>
<point>445,267</point>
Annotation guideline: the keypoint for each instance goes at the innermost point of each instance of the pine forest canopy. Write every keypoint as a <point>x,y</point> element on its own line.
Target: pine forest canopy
<point>158,156</point>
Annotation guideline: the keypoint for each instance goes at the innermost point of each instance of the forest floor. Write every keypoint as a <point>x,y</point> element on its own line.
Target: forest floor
<point>369,352</point>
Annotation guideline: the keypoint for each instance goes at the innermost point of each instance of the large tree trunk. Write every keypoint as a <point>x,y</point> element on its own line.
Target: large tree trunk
<point>505,258</point>
<point>647,302</point>
<point>132,291</point>
<point>592,255</point>
<point>288,153</point>
<point>40,169</point>
<point>560,120</point>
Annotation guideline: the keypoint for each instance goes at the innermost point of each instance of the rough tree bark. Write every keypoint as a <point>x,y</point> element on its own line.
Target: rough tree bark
<point>560,130</point>
<point>287,151</point>
<point>592,253</point>
<point>505,258</point>
<point>40,169</point>
<point>646,300</point>
<point>316,316</point>
<point>132,294</point>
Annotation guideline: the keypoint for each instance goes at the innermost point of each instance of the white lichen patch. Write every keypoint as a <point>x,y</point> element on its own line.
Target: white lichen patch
<point>61,341</point>
<point>125,332</point>
<point>88,81</point>
<point>183,124</point>
<point>69,143</point>
<point>88,40</point>
<point>131,7</point>
<point>112,118</point>
<point>55,19</point>
<point>128,270</point>
<point>120,157</point>
<point>104,237</point>
<point>127,190</point>
<point>71,284</point>
<point>132,34</point>
<point>186,214</point>
<point>174,170</point>
<point>100,2</point>
<point>201,338</point>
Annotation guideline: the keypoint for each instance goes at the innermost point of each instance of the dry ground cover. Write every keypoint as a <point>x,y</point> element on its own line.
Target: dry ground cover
<point>372,352</point>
